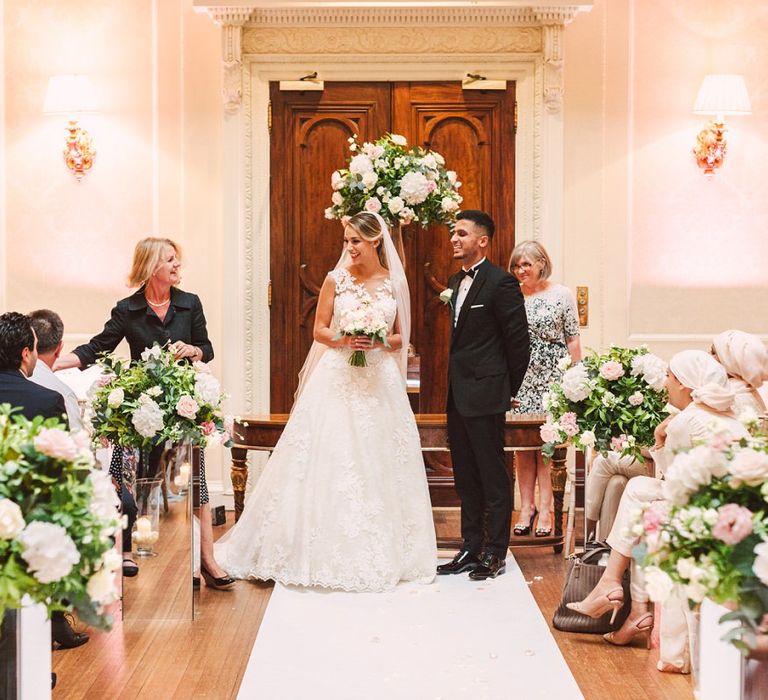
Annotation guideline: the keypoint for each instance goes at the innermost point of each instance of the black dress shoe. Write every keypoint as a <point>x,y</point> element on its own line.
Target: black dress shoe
<point>491,567</point>
<point>62,633</point>
<point>463,561</point>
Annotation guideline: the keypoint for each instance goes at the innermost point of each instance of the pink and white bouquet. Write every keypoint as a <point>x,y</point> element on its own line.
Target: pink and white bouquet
<point>399,183</point>
<point>710,535</point>
<point>366,319</point>
<point>155,399</point>
<point>612,401</point>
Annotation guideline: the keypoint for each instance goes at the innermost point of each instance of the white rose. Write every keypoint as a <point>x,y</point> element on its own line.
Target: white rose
<point>760,567</point>
<point>636,399</point>
<point>429,161</point>
<point>154,391</point>
<point>685,567</point>
<point>370,178</point>
<point>337,181</point>
<point>56,443</point>
<point>104,501</point>
<point>695,591</point>
<point>658,584</point>
<point>587,439</point>
<point>187,407</point>
<point>399,140</point>
<point>329,213</point>
<point>11,519</point>
<point>439,158</point>
<point>749,467</point>
<point>395,205</point>
<point>360,164</point>
<point>101,587</point>
<point>48,550</point>
<point>564,363</point>
<point>373,204</point>
<point>451,176</point>
<point>575,383</point>
<point>337,199</point>
<point>208,389</point>
<point>115,398</point>
<point>152,353</point>
<point>448,204</point>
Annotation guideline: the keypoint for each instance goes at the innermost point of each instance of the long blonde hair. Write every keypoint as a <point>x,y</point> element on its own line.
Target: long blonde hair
<point>146,257</point>
<point>369,228</point>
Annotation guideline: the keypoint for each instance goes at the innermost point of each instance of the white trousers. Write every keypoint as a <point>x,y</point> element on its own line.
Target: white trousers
<point>600,473</point>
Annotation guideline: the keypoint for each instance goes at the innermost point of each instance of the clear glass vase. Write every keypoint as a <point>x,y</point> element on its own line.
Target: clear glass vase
<point>149,498</point>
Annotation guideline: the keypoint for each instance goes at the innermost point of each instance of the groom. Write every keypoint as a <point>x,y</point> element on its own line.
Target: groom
<point>487,362</point>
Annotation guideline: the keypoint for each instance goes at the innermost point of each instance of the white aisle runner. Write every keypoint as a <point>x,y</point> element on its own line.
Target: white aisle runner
<point>455,639</point>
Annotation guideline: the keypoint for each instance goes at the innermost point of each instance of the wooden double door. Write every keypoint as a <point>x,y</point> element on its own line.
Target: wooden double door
<point>473,130</point>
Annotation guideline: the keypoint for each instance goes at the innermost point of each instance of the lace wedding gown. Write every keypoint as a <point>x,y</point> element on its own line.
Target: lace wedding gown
<point>343,501</point>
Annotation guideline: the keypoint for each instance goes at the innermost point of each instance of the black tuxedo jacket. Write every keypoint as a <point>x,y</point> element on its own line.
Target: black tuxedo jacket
<point>33,399</point>
<point>490,346</point>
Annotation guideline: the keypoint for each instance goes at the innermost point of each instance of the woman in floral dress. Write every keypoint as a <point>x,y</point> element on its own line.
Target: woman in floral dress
<point>554,328</point>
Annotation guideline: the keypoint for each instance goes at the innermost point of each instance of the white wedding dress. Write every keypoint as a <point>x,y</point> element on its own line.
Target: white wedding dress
<point>343,501</point>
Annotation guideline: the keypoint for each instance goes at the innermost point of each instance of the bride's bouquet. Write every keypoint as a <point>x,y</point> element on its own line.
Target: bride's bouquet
<point>399,183</point>
<point>58,518</point>
<point>145,403</point>
<point>710,535</point>
<point>612,401</point>
<point>364,319</point>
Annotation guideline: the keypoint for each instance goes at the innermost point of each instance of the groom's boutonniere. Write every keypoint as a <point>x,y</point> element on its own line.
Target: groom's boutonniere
<point>446,295</point>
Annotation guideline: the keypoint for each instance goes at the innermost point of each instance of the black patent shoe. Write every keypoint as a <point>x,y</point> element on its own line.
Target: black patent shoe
<point>463,561</point>
<point>62,634</point>
<point>492,566</point>
<point>523,530</point>
<point>222,583</point>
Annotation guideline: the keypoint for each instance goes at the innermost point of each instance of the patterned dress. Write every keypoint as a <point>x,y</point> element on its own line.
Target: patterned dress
<point>551,319</point>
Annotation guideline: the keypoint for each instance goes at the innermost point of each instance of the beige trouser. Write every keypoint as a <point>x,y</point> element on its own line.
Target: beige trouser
<point>673,652</point>
<point>603,468</point>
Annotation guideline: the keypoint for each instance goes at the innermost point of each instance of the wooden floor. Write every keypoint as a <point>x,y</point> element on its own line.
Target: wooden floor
<point>207,658</point>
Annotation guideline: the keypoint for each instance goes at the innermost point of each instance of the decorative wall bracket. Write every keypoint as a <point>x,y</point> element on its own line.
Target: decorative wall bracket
<point>231,21</point>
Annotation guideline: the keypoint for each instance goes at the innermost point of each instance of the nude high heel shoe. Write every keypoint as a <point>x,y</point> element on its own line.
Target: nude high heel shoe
<point>612,600</point>
<point>631,629</point>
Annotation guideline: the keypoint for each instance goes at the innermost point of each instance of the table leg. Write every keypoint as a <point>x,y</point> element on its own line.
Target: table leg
<point>239,475</point>
<point>558,473</point>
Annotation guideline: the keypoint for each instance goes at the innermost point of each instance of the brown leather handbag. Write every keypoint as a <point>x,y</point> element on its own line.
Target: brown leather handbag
<point>581,577</point>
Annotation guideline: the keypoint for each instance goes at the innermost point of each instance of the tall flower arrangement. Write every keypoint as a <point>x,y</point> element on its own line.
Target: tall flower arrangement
<point>58,516</point>
<point>143,403</point>
<point>610,401</point>
<point>401,184</point>
<point>710,535</point>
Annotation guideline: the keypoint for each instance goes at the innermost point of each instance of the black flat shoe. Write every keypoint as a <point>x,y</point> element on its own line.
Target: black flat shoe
<point>130,568</point>
<point>521,529</point>
<point>223,583</point>
<point>463,561</point>
<point>491,567</point>
<point>62,634</point>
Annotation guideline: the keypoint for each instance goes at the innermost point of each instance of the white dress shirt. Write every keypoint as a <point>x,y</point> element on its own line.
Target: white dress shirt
<point>45,377</point>
<point>464,286</point>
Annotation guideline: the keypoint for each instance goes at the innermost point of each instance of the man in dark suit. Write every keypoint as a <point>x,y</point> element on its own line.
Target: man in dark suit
<point>18,356</point>
<point>489,355</point>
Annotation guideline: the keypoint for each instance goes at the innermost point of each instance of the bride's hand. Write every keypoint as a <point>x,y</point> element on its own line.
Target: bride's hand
<point>360,342</point>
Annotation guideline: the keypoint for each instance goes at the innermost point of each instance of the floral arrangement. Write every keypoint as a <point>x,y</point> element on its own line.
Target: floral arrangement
<point>612,401</point>
<point>142,404</point>
<point>364,319</point>
<point>58,516</point>
<point>401,184</point>
<point>710,536</point>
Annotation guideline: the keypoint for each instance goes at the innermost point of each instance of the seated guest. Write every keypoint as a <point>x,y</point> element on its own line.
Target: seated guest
<point>49,330</point>
<point>18,357</point>
<point>745,358</point>
<point>697,385</point>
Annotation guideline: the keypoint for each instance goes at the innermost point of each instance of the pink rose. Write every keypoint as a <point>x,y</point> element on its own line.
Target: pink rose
<point>569,423</point>
<point>104,379</point>
<point>373,204</point>
<point>208,428</point>
<point>549,433</point>
<point>611,370</point>
<point>56,443</point>
<point>654,516</point>
<point>431,186</point>
<point>618,443</point>
<point>187,407</point>
<point>733,524</point>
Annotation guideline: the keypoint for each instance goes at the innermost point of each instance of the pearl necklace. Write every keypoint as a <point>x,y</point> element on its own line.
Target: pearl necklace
<point>156,304</point>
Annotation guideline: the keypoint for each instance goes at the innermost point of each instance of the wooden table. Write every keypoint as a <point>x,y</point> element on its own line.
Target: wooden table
<point>521,433</point>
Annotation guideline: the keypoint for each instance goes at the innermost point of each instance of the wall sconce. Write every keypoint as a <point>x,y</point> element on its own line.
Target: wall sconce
<point>720,94</point>
<point>72,95</point>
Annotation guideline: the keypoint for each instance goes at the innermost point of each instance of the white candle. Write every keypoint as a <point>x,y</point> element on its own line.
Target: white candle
<point>184,473</point>
<point>143,526</point>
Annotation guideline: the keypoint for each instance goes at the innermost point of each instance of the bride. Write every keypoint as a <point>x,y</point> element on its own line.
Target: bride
<point>343,501</point>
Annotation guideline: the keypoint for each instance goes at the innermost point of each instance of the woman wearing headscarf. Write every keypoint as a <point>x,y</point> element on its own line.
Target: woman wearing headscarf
<point>698,386</point>
<point>745,358</point>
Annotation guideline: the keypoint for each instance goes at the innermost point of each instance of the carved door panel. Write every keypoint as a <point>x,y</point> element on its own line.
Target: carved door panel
<point>309,141</point>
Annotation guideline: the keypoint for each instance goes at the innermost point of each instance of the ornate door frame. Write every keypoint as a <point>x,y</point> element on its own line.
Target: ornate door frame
<point>524,44</point>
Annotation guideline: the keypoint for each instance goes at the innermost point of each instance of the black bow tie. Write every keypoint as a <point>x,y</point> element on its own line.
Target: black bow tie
<point>468,273</point>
